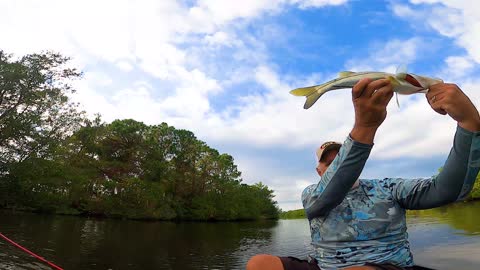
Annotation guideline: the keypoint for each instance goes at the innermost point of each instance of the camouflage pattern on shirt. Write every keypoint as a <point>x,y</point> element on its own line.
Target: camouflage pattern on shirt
<point>367,223</point>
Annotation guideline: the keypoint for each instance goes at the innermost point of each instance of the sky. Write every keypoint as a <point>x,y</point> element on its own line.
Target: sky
<point>223,69</point>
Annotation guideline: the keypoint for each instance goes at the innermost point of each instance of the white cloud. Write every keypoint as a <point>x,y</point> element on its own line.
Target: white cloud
<point>470,87</point>
<point>219,38</point>
<point>405,11</point>
<point>388,56</point>
<point>446,21</point>
<point>221,12</point>
<point>457,68</point>
<point>414,132</point>
<point>287,187</point>
<point>277,118</point>
<point>191,98</point>
<point>92,101</point>
<point>124,65</point>
<point>459,20</point>
<point>459,63</point>
<point>317,3</point>
<point>159,37</point>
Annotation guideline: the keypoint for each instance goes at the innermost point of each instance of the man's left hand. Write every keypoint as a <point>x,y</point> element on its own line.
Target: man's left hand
<point>446,98</point>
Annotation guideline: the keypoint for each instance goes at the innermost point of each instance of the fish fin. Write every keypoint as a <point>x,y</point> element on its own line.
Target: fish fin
<point>401,71</point>
<point>401,75</point>
<point>311,99</point>
<point>394,81</point>
<point>343,74</point>
<point>304,91</point>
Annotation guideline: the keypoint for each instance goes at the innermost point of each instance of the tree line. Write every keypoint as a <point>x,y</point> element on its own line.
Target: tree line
<point>54,159</point>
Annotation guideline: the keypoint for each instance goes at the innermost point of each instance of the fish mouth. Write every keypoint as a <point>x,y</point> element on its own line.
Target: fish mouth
<point>409,78</point>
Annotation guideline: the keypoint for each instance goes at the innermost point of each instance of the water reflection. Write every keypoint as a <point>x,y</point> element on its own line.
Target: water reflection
<point>446,238</point>
<point>79,243</point>
<point>461,216</point>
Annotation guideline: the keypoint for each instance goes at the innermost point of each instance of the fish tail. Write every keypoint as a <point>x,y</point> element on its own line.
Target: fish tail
<point>312,98</point>
<point>304,91</point>
<point>313,93</point>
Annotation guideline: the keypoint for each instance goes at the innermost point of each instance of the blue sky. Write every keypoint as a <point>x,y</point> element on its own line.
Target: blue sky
<point>223,69</point>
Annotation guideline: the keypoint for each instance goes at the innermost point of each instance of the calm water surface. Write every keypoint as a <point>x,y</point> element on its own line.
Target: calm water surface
<point>448,238</point>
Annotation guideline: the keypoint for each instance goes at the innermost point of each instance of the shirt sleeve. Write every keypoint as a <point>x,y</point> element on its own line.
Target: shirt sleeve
<point>337,180</point>
<point>454,182</point>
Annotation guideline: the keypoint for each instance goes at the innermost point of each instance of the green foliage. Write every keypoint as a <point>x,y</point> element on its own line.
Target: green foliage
<point>293,214</point>
<point>55,160</point>
<point>475,194</point>
<point>159,172</point>
<point>35,113</point>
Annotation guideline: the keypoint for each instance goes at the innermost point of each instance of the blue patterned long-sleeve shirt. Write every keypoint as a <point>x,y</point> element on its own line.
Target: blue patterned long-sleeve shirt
<point>367,223</point>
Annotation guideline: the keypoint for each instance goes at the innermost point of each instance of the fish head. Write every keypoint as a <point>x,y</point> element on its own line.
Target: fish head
<point>422,81</point>
<point>404,87</point>
<point>409,83</point>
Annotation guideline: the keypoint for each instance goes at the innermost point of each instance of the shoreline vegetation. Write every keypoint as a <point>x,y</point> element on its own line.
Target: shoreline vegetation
<point>56,160</point>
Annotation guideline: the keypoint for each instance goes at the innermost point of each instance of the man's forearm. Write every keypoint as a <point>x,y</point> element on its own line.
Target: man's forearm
<point>465,155</point>
<point>363,134</point>
<point>453,183</point>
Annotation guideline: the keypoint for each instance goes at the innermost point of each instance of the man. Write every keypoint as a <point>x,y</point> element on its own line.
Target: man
<point>360,223</point>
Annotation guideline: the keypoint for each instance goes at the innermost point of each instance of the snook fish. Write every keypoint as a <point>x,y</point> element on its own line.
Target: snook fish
<point>403,83</point>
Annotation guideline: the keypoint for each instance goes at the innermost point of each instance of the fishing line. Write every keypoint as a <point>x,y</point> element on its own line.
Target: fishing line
<point>31,253</point>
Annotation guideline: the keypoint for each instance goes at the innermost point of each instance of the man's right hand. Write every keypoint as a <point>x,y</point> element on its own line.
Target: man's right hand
<point>370,100</point>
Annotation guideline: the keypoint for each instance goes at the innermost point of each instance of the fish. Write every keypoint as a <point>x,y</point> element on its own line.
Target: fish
<point>403,83</point>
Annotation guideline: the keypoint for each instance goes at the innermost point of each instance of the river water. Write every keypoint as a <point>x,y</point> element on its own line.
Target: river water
<point>446,238</point>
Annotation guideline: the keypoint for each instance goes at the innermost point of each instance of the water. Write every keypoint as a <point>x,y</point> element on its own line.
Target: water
<point>448,238</point>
